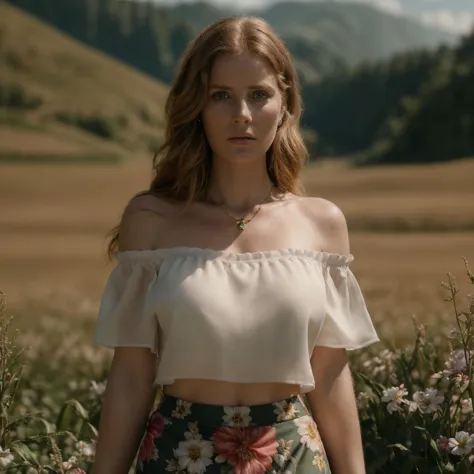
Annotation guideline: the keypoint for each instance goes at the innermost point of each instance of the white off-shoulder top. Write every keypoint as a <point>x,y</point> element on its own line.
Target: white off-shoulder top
<point>239,317</point>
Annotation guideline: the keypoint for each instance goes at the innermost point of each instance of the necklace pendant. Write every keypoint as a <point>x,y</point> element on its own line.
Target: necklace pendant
<point>241,224</point>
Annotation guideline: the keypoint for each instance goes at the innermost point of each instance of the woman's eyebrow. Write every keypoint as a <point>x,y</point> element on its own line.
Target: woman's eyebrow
<point>228,88</point>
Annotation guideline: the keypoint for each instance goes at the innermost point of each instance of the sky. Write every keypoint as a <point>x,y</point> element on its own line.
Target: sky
<point>456,16</point>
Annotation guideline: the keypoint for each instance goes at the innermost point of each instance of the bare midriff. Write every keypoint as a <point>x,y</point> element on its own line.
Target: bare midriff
<point>215,392</point>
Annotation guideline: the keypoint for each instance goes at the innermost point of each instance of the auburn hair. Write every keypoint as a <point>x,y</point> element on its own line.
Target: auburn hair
<point>182,165</point>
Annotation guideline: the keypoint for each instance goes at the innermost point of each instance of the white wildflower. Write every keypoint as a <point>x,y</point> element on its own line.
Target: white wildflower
<point>456,364</point>
<point>6,458</point>
<point>394,397</point>
<point>97,389</point>
<point>428,401</point>
<point>462,443</point>
<point>363,400</point>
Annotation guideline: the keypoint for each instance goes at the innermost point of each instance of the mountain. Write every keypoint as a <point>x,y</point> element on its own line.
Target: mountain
<point>61,99</point>
<point>323,37</point>
<point>354,32</point>
<point>328,37</point>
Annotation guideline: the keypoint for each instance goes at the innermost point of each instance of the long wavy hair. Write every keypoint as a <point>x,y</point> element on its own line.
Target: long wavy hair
<point>182,165</point>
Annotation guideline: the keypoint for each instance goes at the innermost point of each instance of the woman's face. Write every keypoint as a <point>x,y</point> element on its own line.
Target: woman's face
<point>243,109</point>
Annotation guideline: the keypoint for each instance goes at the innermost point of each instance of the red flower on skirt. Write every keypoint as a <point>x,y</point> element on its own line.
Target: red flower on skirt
<point>154,429</point>
<point>249,450</point>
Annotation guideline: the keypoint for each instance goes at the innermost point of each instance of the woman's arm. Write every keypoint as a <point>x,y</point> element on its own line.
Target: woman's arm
<point>333,402</point>
<point>129,394</point>
<point>127,403</point>
<point>334,409</point>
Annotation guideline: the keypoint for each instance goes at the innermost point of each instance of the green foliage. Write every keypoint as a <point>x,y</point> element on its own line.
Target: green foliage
<point>433,431</point>
<point>417,107</point>
<point>60,437</point>
<point>437,123</point>
<point>348,110</point>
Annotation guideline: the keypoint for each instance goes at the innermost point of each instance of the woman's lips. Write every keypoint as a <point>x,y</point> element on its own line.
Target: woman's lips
<point>242,140</point>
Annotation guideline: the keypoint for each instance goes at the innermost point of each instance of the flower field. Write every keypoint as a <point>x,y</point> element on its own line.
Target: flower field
<point>415,403</point>
<point>414,389</point>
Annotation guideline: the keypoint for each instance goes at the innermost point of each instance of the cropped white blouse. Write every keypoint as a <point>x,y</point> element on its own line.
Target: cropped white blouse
<point>239,317</point>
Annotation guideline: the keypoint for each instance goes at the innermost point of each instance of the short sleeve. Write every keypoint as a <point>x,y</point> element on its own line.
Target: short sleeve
<point>126,316</point>
<point>347,322</point>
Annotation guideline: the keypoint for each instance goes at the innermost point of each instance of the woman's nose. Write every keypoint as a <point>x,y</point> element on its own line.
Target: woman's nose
<point>242,112</point>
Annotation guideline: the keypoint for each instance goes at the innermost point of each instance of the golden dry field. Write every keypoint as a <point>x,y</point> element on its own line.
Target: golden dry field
<point>53,221</point>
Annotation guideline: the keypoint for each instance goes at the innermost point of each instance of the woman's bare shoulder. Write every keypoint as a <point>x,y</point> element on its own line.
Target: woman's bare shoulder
<point>144,219</point>
<point>329,221</point>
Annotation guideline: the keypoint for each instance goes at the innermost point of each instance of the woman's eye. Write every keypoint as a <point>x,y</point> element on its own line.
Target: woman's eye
<point>219,95</point>
<point>260,95</point>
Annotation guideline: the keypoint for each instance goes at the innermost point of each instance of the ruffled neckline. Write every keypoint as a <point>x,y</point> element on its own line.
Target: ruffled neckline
<point>328,258</point>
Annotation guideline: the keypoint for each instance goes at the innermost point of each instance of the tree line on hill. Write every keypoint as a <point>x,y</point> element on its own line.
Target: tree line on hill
<point>417,106</point>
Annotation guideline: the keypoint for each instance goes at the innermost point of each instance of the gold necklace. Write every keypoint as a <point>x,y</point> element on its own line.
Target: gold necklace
<point>243,221</point>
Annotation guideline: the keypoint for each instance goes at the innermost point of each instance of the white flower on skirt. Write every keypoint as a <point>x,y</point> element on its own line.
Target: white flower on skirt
<point>283,453</point>
<point>285,411</point>
<point>194,455</point>
<point>237,417</point>
<point>183,408</point>
<point>309,433</point>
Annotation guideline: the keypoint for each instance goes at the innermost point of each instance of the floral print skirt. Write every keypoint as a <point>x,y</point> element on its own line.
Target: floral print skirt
<point>197,438</point>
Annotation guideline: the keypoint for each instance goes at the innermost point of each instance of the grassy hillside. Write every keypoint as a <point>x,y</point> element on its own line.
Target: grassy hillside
<point>65,100</point>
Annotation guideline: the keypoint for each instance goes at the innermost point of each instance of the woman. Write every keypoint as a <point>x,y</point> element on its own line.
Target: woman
<point>232,293</point>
